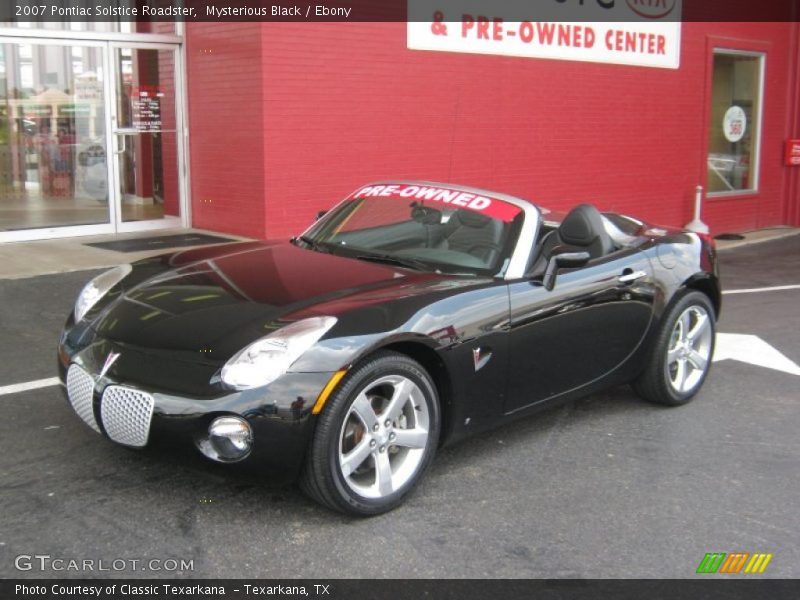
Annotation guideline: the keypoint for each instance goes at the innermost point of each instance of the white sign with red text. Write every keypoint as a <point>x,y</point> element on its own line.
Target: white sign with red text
<point>648,33</point>
<point>491,207</point>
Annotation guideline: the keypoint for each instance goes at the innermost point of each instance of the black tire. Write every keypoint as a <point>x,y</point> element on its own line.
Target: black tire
<point>323,478</point>
<point>657,381</point>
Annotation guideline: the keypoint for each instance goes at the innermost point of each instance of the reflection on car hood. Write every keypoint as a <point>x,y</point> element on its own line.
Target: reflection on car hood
<point>214,301</point>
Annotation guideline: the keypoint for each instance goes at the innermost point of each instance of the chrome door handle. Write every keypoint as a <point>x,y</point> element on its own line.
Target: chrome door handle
<point>631,277</point>
<point>122,135</point>
<point>123,146</point>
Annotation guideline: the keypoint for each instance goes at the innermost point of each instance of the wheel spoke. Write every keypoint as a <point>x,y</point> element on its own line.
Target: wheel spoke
<point>400,395</point>
<point>363,408</point>
<point>699,327</point>
<point>672,355</point>
<point>383,473</point>
<point>680,374</point>
<point>410,438</point>
<point>698,360</point>
<point>686,323</point>
<point>353,459</point>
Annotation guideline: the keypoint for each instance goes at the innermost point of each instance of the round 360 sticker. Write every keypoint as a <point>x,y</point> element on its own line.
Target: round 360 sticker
<point>734,124</point>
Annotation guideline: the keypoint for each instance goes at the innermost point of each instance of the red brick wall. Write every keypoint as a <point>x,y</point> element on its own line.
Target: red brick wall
<point>226,126</point>
<point>345,104</point>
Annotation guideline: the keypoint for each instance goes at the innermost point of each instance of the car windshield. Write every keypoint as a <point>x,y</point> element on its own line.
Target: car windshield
<point>422,227</point>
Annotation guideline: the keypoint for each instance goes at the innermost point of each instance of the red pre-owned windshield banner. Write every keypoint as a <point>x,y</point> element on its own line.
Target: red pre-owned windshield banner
<point>491,207</point>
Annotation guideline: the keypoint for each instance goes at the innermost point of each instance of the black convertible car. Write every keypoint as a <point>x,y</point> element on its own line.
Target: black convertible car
<point>409,316</point>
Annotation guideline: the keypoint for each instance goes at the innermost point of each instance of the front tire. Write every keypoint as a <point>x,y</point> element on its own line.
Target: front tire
<point>375,437</point>
<point>681,356</point>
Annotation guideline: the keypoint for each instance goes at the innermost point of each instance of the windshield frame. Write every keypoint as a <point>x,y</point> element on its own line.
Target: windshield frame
<point>513,268</point>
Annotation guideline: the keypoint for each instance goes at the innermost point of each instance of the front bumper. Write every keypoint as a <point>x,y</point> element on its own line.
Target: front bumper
<point>135,415</point>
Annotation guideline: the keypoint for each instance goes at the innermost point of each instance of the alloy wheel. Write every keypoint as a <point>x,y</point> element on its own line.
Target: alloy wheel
<point>383,437</point>
<point>689,350</point>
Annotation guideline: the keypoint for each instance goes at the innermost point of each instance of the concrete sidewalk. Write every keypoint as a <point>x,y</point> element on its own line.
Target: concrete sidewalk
<point>46,257</point>
<point>758,236</point>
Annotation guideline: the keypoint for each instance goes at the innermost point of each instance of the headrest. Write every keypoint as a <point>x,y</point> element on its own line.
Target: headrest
<point>582,226</point>
<point>471,219</point>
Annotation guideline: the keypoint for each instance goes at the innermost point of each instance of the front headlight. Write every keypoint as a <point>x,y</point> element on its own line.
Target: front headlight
<point>97,288</point>
<point>265,360</point>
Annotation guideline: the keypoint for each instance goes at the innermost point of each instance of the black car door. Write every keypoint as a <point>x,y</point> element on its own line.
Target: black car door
<point>581,330</point>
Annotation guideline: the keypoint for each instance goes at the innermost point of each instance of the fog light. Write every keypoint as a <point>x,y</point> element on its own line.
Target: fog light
<point>229,439</point>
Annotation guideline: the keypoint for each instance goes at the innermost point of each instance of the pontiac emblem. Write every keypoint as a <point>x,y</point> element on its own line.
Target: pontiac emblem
<point>110,360</point>
<point>480,358</point>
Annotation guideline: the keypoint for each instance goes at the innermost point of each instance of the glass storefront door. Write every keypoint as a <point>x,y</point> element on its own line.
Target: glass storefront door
<point>145,132</point>
<point>89,138</point>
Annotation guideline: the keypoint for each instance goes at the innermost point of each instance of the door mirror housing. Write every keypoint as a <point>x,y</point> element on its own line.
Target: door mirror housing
<point>565,259</point>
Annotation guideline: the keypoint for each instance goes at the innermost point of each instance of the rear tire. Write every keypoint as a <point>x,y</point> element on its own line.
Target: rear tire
<point>681,354</point>
<point>375,437</point>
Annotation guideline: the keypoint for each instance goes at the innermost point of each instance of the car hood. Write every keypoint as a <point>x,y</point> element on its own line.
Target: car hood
<point>208,304</point>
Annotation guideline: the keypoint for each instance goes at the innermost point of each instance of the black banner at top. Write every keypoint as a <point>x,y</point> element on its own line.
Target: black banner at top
<point>43,11</point>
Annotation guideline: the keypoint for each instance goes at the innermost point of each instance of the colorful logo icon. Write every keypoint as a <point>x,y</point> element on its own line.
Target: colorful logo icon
<point>732,563</point>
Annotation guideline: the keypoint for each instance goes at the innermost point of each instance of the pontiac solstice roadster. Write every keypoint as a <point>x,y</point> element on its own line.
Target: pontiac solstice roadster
<point>409,316</point>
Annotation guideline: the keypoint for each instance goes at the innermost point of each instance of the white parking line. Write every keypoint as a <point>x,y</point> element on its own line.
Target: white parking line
<point>776,288</point>
<point>28,385</point>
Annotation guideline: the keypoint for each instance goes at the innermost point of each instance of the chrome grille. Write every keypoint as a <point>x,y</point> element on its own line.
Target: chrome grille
<point>126,415</point>
<point>80,389</point>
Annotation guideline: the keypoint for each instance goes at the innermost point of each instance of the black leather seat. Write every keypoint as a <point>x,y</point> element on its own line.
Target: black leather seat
<point>473,233</point>
<point>583,229</point>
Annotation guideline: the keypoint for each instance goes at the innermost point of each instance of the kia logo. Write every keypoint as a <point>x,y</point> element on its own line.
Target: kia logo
<point>652,9</point>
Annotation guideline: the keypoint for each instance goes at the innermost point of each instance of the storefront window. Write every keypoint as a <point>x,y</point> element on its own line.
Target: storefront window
<point>52,137</point>
<point>735,124</point>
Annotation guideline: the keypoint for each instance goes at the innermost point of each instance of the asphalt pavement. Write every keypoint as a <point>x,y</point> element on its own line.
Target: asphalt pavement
<point>607,486</point>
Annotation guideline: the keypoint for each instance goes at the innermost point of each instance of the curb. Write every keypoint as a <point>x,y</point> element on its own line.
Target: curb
<point>778,235</point>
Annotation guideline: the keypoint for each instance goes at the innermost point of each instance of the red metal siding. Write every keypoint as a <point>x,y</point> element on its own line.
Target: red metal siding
<point>347,103</point>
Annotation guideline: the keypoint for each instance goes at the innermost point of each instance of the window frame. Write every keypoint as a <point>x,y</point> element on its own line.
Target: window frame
<point>177,37</point>
<point>755,178</point>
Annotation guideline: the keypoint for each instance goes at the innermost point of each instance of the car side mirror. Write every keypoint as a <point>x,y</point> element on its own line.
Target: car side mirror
<point>562,260</point>
<point>320,214</point>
